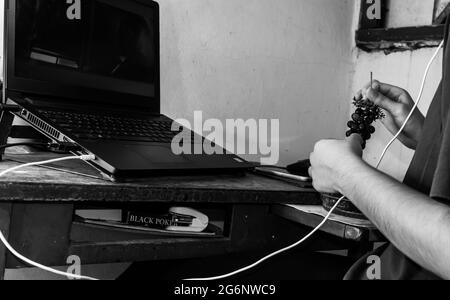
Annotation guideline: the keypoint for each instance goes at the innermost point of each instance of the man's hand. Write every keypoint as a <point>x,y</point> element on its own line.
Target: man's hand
<point>396,103</point>
<point>331,159</point>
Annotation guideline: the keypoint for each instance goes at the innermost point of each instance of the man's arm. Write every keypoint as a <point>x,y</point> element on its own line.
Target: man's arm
<point>416,224</point>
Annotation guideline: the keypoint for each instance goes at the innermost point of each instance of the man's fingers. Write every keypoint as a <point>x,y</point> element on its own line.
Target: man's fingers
<point>374,85</point>
<point>359,95</point>
<point>381,100</point>
<point>355,139</point>
<point>357,143</point>
<point>391,91</point>
<point>362,93</point>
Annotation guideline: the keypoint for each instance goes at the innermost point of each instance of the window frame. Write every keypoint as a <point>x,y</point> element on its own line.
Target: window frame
<point>370,38</point>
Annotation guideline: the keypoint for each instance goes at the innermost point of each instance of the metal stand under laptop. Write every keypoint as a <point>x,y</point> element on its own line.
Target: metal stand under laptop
<point>7,130</point>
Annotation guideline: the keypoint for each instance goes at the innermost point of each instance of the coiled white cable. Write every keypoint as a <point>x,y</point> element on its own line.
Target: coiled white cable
<point>383,154</point>
<point>20,256</point>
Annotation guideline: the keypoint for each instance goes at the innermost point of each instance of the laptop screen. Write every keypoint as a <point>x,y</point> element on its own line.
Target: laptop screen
<point>100,44</point>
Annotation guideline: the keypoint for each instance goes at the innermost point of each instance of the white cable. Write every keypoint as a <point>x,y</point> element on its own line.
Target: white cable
<point>23,258</point>
<point>62,170</point>
<point>419,97</point>
<point>383,154</point>
<point>275,253</point>
<point>37,265</point>
<point>83,157</point>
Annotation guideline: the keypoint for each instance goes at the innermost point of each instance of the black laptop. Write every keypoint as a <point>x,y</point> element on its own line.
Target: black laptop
<point>87,72</point>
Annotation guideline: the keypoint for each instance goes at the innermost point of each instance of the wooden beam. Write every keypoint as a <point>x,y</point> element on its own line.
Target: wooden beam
<point>399,39</point>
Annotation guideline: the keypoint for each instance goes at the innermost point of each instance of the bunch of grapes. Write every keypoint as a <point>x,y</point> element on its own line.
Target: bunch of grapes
<point>362,120</point>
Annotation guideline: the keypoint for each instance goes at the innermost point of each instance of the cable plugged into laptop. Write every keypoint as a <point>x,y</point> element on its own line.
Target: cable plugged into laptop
<point>63,147</point>
<point>88,157</point>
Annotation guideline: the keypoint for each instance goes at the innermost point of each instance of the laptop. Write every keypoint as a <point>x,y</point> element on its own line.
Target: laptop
<point>87,73</point>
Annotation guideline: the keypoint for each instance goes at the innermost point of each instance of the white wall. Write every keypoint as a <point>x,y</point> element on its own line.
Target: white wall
<point>404,69</point>
<point>2,3</point>
<point>403,13</point>
<point>286,59</point>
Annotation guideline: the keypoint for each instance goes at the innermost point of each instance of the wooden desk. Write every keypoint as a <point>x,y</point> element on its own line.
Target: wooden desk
<point>37,207</point>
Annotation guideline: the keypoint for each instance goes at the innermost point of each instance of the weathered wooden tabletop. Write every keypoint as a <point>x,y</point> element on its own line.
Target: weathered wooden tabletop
<point>49,185</point>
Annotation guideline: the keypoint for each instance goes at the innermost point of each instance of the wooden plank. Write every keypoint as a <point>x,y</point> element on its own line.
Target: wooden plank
<point>399,39</point>
<point>5,218</point>
<point>43,185</point>
<point>41,232</point>
<point>149,250</point>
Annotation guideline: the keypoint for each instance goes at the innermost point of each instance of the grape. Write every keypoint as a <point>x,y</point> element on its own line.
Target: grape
<point>366,136</point>
<point>352,125</point>
<point>356,117</point>
<point>349,133</point>
<point>365,115</point>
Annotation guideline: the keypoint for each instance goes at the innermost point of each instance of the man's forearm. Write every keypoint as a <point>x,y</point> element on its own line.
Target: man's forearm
<point>413,222</point>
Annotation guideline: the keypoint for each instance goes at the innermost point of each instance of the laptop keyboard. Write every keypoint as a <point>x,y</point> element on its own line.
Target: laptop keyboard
<point>99,127</point>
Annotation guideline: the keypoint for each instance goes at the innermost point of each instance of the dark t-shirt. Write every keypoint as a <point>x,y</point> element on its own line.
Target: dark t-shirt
<point>429,173</point>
